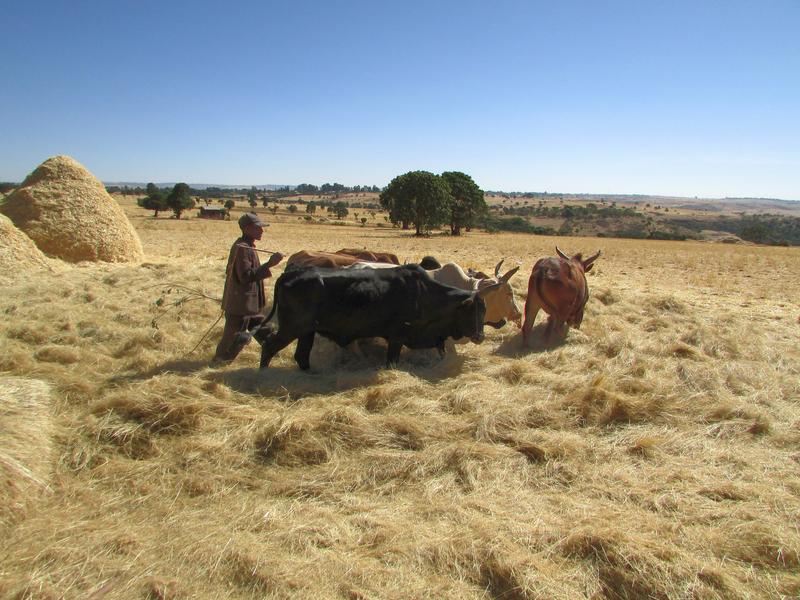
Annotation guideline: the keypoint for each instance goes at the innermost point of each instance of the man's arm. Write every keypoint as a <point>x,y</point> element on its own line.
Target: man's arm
<point>246,269</point>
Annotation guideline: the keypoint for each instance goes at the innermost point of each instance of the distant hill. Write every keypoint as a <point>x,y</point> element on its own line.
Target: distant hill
<point>710,205</point>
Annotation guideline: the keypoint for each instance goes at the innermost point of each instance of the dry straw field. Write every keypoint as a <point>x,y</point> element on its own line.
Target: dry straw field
<point>653,454</point>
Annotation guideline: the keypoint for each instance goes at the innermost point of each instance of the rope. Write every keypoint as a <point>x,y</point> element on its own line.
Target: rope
<point>205,335</point>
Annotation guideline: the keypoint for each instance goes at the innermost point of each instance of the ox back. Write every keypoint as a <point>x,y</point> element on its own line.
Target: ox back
<point>402,305</point>
<point>370,256</point>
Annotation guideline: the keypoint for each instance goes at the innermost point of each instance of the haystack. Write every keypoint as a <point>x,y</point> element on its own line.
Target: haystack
<point>18,253</point>
<point>26,446</point>
<point>67,212</point>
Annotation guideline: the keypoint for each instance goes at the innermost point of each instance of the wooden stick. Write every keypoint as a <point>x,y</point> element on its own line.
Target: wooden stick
<point>256,249</point>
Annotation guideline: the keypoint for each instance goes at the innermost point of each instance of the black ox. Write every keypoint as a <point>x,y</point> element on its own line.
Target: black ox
<point>403,305</point>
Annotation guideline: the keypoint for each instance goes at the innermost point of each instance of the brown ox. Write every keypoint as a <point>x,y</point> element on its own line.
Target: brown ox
<point>305,259</point>
<point>558,286</point>
<point>367,255</point>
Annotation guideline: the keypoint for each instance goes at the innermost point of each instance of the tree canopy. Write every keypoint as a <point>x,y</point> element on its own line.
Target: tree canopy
<point>340,210</point>
<point>156,199</point>
<point>468,202</point>
<point>418,197</point>
<point>180,199</point>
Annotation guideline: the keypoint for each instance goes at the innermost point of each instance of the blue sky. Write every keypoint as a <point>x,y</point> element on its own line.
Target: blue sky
<point>677,98</point>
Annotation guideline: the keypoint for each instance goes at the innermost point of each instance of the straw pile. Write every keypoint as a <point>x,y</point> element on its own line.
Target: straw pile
<point>18,253</point>
<point>69,215</point>
<point>25,444</point>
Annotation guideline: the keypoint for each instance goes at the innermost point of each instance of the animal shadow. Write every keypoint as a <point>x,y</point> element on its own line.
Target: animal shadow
<point>512,346</point>
<point>334,369</point>
<point>181,366</point>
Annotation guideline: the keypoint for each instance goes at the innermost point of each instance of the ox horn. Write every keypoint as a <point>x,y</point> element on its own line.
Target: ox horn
<point>497,268</point>
<point>489,288</point>
<point>587,264</point>
<point>561,254</point>
<point>510,274</point>
<point>592,258</point>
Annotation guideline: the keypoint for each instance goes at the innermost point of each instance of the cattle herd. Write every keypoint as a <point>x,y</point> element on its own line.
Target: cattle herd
<point>354,294</point>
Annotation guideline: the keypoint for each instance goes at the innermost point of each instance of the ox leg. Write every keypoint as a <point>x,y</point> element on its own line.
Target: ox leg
<point>393,354</point>
<point>530,318</point>
<point>553,324</point>
<point>271,346</point>
<point>303,350</point>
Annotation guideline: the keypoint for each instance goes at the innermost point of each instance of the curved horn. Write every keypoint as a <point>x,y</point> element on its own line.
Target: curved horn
<point>587,264</point>
<point>497,268</point>
<point>510,274</point>
<point>592,258</point>
<point>489,288</point>
<point>561,254</point>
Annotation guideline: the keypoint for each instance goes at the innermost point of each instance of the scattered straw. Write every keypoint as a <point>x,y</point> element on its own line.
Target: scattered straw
<point>25,445</point>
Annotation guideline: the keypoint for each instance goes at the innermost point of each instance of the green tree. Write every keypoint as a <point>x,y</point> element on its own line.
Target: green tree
<point>418,197</point>
<point>252,198</point>
<point>229,204</point>
<point>155,200</point>
<point>180,199</point>
<point>468,202</point>
<point>755,232</point>
<point>292,208</point>
<point>306,188</point>
<point>340,210</point>
<point>311,207</point>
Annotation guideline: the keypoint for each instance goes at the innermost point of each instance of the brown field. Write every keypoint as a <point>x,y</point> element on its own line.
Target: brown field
<point>654,454</point>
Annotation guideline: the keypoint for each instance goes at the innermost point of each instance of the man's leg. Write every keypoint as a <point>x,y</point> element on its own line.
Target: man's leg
<point>225,349</point>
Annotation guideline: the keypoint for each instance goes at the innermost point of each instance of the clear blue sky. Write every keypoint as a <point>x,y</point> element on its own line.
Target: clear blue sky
<point>691,98</point>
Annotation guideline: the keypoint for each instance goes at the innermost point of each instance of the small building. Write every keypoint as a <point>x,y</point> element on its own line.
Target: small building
<point>213,212</point>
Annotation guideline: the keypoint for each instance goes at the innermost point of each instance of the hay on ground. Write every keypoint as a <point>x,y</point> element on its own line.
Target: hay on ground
<point>25,445</point>
<point>67,212</point>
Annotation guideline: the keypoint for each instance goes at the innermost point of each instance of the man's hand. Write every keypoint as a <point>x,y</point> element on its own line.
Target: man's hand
<point>274,259</point>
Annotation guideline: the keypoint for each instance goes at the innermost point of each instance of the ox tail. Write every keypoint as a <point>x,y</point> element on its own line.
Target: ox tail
<point>274,308</point>
<point>547,305</point>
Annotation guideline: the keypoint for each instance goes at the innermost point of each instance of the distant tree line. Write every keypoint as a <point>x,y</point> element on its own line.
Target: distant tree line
<point>570,211</point>
<point>775,230</point>
<point>219,192</point>
<point>334,188</point>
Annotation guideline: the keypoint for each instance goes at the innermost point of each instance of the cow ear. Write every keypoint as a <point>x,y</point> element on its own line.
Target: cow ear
<point>510,274</point>
<point>483,292</point>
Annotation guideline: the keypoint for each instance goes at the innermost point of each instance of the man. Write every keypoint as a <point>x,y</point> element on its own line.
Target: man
<point>243,299</point>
